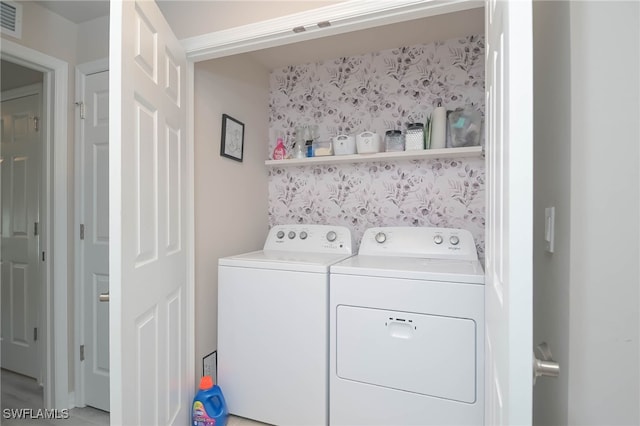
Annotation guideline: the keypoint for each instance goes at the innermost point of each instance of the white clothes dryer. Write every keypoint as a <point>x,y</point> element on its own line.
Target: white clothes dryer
<point>407,330</point>
<point>273,325</point>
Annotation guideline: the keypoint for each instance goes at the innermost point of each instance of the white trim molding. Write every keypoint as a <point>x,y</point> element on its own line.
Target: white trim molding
<point>55,92</point>
<point>31,89</point>
<point>190,237</point>
<point>343,17</point>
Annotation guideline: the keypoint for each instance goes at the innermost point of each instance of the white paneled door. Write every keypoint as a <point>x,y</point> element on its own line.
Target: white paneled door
<point>147,231</point>
<point>94,242</point>
<point>21,280</point>
<point>508,300</point>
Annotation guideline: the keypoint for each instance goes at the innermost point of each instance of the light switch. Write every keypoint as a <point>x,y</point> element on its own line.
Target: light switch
<point>549,225</point>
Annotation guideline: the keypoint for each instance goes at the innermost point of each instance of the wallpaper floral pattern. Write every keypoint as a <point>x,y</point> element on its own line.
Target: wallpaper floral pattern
<point>377,92</point>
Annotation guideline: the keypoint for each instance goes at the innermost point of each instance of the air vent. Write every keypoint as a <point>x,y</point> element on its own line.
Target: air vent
<point>11,13</point>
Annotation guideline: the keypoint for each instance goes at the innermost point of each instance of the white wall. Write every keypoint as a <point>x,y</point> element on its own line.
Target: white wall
<point>552,186</point>
<point>586,296</point>
<point>93,40</point>
<point>46,32</point>
<point>230,197</point>
<point>604,359</point>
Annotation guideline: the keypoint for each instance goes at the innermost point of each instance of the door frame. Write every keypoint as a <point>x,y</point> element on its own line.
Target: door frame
<point>55,227</point>
<point>81,72</point>
<point>343,17</point>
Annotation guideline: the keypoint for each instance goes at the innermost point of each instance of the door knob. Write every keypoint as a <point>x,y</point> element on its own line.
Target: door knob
<point>104,297</point>
<point>545,365</point>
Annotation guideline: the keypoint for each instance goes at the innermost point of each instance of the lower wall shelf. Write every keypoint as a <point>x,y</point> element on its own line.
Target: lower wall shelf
<point>474,151</point>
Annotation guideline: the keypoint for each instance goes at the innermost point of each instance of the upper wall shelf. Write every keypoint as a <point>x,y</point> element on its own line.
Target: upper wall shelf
<point>474,151</point>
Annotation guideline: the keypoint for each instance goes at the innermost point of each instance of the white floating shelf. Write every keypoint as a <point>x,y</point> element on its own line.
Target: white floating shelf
<point>474,151</point>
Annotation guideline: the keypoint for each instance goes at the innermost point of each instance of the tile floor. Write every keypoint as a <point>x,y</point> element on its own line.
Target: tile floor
<point>24,392</point>
<point>241,421</point>
<point>18,391</point>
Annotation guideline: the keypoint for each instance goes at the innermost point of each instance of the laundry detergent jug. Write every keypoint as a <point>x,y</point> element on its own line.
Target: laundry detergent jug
<point>209,407</point>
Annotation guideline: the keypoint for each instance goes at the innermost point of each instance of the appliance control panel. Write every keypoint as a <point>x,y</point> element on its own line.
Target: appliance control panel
<point>310,239</point>
<point>422,242</point>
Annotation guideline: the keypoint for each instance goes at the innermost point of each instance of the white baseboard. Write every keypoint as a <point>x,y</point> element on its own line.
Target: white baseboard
<point>72,400</point>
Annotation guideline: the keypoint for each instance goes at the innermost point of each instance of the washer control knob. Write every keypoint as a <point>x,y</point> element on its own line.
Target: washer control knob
<point>454,240</point>
<point>303,235</point>
<point>280,235</point>
<point>381,237</point>
<point>437,239</point>
<point>331,236</point>
<point>292,235</point>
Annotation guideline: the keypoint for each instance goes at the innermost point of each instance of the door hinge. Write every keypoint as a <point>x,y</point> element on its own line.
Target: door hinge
<point>35,334</point>
<point>82,109</point>
<point>35,229</point>
<point>81,352</point>
<point>82,231</point>
<point>36,123</point>
<point>43,256</point>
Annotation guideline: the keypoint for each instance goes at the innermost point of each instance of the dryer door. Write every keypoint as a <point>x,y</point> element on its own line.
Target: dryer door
<point>425,354</point>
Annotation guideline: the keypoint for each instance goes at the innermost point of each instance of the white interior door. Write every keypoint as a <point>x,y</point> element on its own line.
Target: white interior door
<point>148,240</point>
<point>21,153</point>
<point>508,300</point>
<point>94,243</point>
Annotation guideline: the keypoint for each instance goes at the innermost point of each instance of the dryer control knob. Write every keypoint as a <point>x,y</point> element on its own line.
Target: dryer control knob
<point>303,235</point>
<point>280,235</point>
<point>437,239</point>
<point>331,236</point>
<point>381,237</point>
<point>454,240</point>
<point>292,235</point>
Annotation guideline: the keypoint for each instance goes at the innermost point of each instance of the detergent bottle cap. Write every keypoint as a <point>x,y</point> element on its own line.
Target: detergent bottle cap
<point>206,382</point>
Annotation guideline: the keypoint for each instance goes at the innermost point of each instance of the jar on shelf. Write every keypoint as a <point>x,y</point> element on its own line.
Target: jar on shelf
<point>394,140</point>
<point>414,137</point>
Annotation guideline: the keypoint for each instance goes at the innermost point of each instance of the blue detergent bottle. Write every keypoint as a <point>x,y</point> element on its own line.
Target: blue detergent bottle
<point>209,407</point>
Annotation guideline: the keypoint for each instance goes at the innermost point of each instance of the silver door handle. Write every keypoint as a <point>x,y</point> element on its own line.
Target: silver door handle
<point>546,366</point>
<point>104,297</point>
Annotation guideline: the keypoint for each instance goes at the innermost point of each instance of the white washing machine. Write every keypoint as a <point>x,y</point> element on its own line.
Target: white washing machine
<point>407,330</point>
<point>273,325</point>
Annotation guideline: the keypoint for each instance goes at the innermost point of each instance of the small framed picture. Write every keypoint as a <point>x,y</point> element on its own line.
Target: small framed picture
<point>232,144</point>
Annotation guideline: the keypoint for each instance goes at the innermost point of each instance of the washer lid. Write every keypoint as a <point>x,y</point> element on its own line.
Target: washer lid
<point>284,260</point>
<point>459,271</point>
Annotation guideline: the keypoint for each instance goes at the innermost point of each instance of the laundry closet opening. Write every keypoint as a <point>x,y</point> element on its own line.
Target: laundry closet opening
<point>375,79</point>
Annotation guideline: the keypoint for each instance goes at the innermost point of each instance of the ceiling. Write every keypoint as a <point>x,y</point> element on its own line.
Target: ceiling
<point>77,11</point>
<point>189,18</point>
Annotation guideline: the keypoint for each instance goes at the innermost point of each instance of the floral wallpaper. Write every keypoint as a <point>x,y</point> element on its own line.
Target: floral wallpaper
<point>377,92</point>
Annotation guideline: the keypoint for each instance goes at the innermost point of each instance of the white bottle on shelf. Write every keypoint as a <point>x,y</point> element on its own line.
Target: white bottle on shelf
<point>439,127</point>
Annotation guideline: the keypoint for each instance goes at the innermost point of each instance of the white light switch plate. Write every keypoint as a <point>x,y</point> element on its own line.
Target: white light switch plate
<point>549,228</point>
